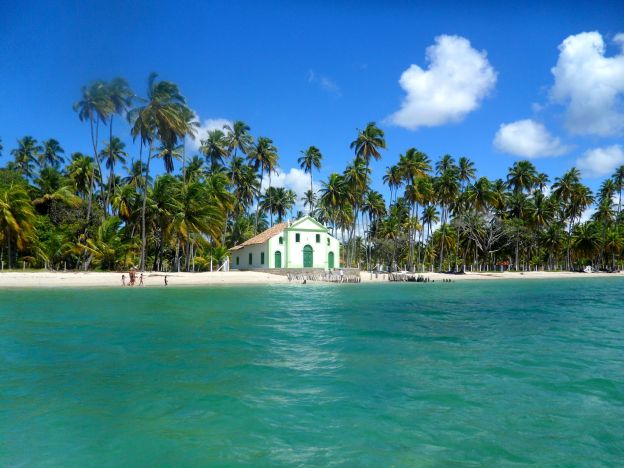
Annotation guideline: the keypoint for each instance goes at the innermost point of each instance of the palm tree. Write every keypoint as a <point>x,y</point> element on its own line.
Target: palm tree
<point>393,179</point>
<point>467,171</point>
<point>480,195</point>
<point>332,194</point>
<point>264,157</point>
<point>356,178</point>
<point>82,173</point>
<point>237,137</point>
<point>17,218</point>
<point>52,154</point>
<point>51,187</point>
<point>163,117</point>
<point>112,154</point>
<point>447,189</point>
<point>214,148</point>
<point>120,97</point>
<point>25,156</point>
<point>278,200</point>
<point>446,163</point>
<point>368,143</point>
<point>309,160</point>
<point>618,178</point>
<point>95,106</point>
<point>309,199</point>
<point>522,176</point>
<point>168,153</point>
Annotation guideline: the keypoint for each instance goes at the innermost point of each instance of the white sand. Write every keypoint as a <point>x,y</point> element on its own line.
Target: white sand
<point>366,277</point>
<point>101,279</point>
<point>98,279</point>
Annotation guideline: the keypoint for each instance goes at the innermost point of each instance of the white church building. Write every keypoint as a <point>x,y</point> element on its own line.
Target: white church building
<point>304,243</point>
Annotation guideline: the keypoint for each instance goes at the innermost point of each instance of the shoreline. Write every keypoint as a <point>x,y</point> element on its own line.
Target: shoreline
<point>44,279</point>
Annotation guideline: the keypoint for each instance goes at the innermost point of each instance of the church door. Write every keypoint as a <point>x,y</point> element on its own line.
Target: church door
<point>308,260</point>
<point>278,259</point>
<point>330,260</point>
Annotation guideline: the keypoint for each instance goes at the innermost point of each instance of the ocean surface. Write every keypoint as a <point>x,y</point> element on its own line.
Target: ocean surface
<point>445,374</point>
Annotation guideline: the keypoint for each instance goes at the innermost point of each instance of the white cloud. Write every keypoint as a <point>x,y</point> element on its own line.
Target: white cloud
<point>528,139</point>
<point>457,79</point>
<point>590,84</point>
<point>295,179</point>
<point>600,162</point>
<point>203,129</point>
<point>324,83</point>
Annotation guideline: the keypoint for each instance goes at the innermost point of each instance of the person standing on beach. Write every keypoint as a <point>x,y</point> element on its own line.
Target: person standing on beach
<point>166,282</point>
<point>141,280</point>
<point>123,280</point>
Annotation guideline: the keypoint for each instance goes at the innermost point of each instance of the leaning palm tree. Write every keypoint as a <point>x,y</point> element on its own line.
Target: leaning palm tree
<point>264,157</point>
<point>163,117</point>
<point>310,159</point>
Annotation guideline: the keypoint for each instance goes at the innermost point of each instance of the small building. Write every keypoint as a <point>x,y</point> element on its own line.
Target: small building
<point>304,243</point>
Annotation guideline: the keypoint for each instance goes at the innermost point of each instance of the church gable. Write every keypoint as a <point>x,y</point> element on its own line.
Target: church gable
<point>307,223</point>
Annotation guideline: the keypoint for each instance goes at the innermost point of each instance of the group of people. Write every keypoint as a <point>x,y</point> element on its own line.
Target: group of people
<point>132,274</point>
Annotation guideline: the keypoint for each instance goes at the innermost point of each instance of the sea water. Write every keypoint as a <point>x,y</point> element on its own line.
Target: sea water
<point>490,372</point>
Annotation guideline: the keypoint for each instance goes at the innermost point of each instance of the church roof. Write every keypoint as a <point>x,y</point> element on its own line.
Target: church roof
<point>263,236</point>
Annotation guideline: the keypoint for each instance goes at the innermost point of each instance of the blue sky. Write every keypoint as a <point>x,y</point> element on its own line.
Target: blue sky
<point>311,72</point>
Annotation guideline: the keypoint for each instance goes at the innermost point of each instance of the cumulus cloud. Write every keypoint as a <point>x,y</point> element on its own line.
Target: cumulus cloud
<point>323,82</point>
<point>455,82</point>
<point>202,131</point>
<point>590,85</point>
<point>600,162</point>
<point>295,179</point>
<point>529,139</point>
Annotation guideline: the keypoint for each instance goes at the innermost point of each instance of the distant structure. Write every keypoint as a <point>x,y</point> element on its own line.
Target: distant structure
<point>304,243</point>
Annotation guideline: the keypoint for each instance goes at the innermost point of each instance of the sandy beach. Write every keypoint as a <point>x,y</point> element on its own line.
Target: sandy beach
<point>110,279</point>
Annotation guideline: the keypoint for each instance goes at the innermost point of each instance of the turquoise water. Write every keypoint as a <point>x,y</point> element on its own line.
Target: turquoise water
<point>492,373</point>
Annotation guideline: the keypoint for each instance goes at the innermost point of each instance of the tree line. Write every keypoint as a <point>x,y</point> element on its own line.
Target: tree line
<point>103,209</point>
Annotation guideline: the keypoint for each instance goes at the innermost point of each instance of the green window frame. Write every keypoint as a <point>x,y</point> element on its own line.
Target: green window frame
<point>237,260</point>
<point>328,241</point>
<point>250,258</point>
<point>281,240</point>
<point>261,258</point>
<point>297,237</point>
<point>318,238</point>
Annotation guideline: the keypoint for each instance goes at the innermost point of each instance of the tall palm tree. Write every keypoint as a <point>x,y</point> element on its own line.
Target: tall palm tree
<point>467,171</point>
<point>393,179</point>
<point>112,154</point>
<point>309,199</point>
<point>356,178</point>
<point>368,143</point>
<point>25,156</point>
<point>309,160</point>
<point>52,154</point>
<point>447,189</point>
<point>263,157</point>
<point>278,200</point>
<point>120,97</point>
<point>95,106</point>
<point>164,117</point>
<point>214,148</point>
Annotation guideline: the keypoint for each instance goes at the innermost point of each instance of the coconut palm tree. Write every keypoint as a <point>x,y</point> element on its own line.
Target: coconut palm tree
<point>263,157</point>
<point>52,154</point>
<point>393,179</point>
<point>618,178</point>
<point>309,200</point>
<point>83,173</point>
<point>95,106</point>
<point>278,200</point>
<point>163,117</point>
<point>17,218</point>
<point>310,159</point>
<point>215,149</point>
<point>237,137</point>
<point>368,143</point>
<point>467,171</point>
<point>356,179</point>
<point>112,154</point>
<point>522,176</point>
<point>25,156</point>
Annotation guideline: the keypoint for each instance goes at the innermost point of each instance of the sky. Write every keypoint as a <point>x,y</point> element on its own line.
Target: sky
<point>493,81</point>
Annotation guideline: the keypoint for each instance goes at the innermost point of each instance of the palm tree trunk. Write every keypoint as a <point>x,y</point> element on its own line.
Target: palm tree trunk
<point>258,202</point>
<point>143,233</point>
<point>270,201</point>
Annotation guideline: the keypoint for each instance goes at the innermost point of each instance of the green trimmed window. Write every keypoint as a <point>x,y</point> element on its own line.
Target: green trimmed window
<point>237,260</point>
<point>261,258</point>
<point>250,259</point>
<point>318,238</point>
<point>281,240</point>
<point>297,237</point>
